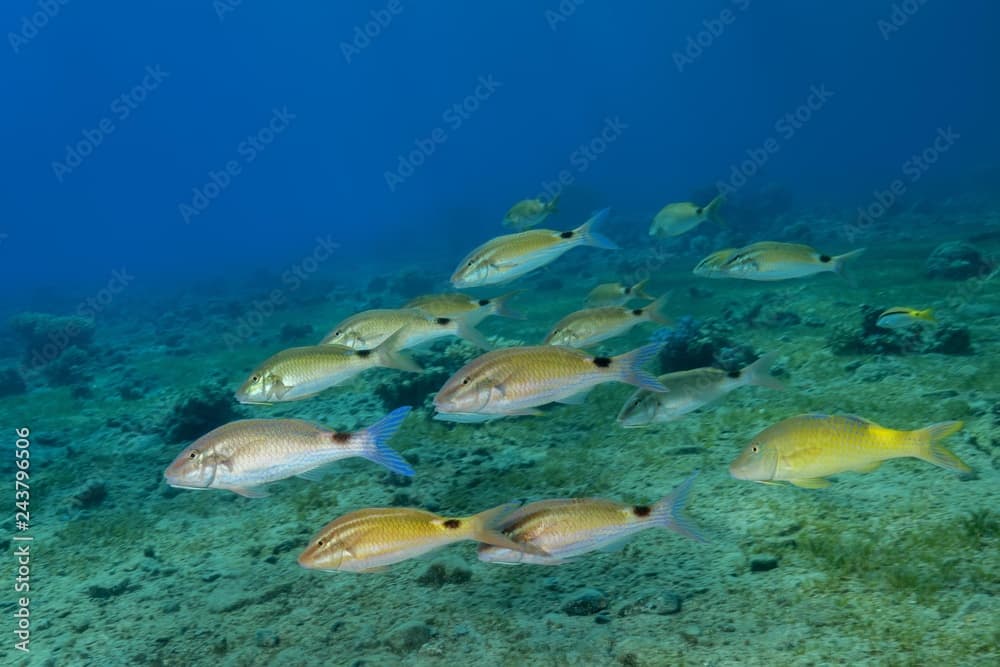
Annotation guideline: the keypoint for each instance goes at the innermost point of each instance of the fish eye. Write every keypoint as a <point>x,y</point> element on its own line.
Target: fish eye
<point>194,454</point>
<point>466,380</point>
<point>255,379</point>
<point>755,449</point>
<point>320,542</point>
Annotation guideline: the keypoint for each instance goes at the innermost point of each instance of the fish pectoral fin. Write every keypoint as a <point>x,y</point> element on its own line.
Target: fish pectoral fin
<point>867,467</point>
<point>810,483</point>
<point>372,570</point>
<point>250,491</point>
<point>576,399</point>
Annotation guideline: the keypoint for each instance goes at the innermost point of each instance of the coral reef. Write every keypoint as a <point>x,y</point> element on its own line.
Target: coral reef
<point>49,335</point>
<point>11,383</point>
<point>191,416</point>
<point>956,260</point>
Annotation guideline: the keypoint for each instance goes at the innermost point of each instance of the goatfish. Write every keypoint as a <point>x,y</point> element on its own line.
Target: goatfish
<point>243,456</point>
<point>616,294</point>
<point>514,381</point>
<point>711,266</point>
<point>593,325</point>
<point>412,326</point>
<point>511,256</point>
<point>691,390</point>
<point>806,449</point>
<point>301,372</point>
<point>371,539</point>
<point>900,318</point>
<point>772,260</point>
<point>676,219</point>
<point>473,310</point>
<point>529,212</point>
<point>566,528</point>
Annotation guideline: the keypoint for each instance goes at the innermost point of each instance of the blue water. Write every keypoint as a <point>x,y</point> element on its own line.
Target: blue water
<point>223,77</point>
<point>169,166</point>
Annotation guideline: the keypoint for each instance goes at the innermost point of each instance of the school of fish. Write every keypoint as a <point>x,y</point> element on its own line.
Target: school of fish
<point>247,456</point>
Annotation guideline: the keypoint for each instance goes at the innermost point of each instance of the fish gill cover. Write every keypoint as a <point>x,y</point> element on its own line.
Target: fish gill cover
<point>238,239</point>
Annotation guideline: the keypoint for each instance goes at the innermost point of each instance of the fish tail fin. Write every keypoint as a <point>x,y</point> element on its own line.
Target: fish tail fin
<point>482,527</point>
<point>637,291</point>
<point>840,263</point>
<point>387,356</point>
<point>587,234</point>
<point>713,213</point>
<point>553,205</point>
<point>759,372</point>
<point>927,315</point>
<point>668,513</point>
<point>630,365</point>
<point>501,308</point>
<point>931,450</point>
<point>471,334</point>
<point>380,433</point>
<point>654,311</point>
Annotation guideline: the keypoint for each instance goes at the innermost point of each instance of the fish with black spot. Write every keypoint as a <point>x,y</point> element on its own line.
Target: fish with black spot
<point>412,327</point>
<point>773,260</point>
<point>515,381</point>
<point>563,529</point>
<point>511,256</point>
<point>246,455</point>
<point>370,540</point>
<point>301,372</point>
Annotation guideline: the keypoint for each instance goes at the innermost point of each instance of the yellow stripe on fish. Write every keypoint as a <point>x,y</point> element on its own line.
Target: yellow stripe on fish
<point>412,327</point>
<point>774,260</point>
<point>615,294</point>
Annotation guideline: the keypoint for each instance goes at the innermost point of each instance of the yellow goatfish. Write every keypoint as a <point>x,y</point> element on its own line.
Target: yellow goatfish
<point>243,456</point>
<point>508,257</point>
<point>806,449</point>
<point>301,372</point>
<point>413,327</point>
<point>529,212</point>
<point>514,381</point>
<point>566,528</point>
<point>773,260</point>
<point>371,539</point>
<point>900,318</point>
<point>615,294</point>
<point>594,325</point>
<point>471,309</point>
<point>675,219</point>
